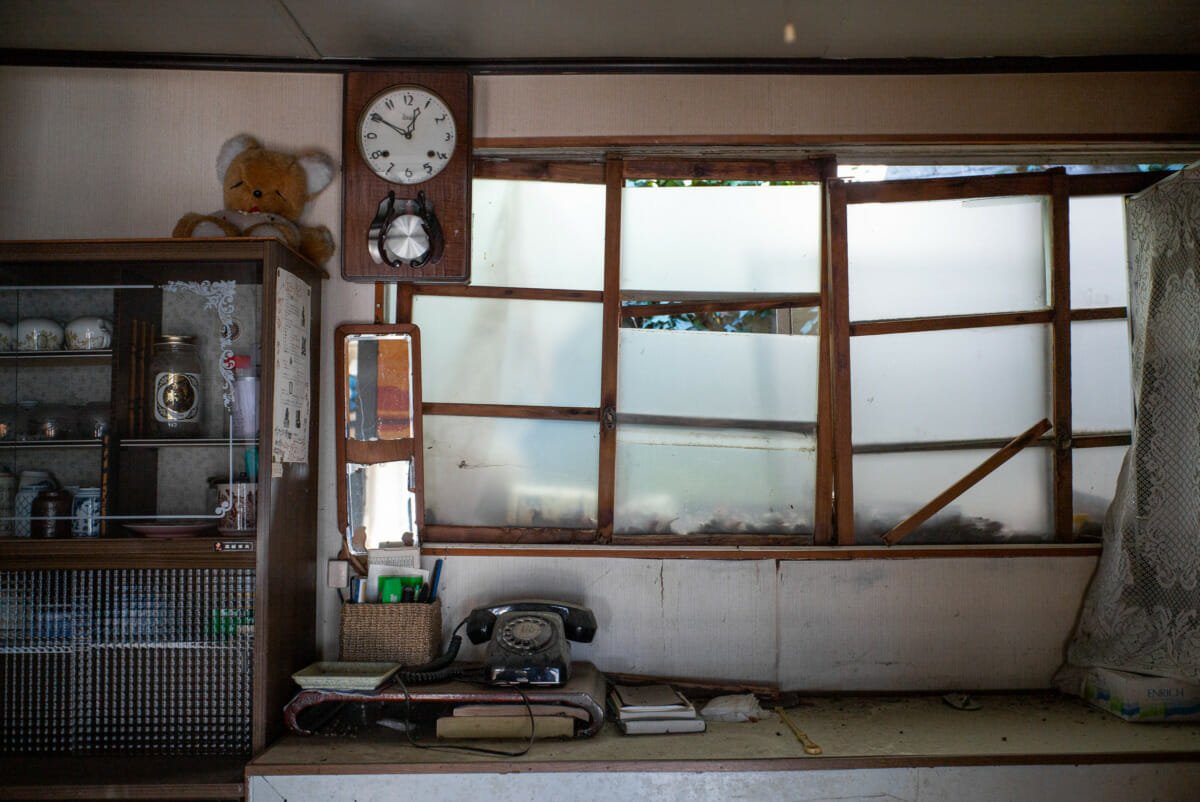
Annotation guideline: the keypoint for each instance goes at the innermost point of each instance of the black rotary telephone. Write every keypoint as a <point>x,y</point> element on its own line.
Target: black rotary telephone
<point>527,644</point>
<point>527,640</point>
<point>405,233</point>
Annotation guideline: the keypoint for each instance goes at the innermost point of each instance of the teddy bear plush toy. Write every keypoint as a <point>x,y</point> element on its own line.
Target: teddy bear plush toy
<point>265,193</point>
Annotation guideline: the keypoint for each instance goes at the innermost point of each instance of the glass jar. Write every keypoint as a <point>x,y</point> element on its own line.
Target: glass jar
<point>93,420</point>
<point>51,422</point>
<point>174,387</point>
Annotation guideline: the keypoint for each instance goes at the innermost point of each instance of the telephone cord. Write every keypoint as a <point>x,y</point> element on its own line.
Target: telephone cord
<point>455,640</point>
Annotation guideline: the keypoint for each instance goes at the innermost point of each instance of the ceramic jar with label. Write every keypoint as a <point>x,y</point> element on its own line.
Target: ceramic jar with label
<point>174,391</point>
<point>85,512</point>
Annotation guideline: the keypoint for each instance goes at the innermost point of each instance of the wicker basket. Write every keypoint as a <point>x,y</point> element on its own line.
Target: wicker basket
<point>409,634</point>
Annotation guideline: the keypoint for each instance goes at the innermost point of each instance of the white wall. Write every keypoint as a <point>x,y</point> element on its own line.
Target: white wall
<point>124,153</point>
<point>1096,783</point>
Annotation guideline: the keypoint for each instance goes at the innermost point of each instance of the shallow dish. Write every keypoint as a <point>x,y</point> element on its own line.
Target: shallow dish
<point>337,676</point>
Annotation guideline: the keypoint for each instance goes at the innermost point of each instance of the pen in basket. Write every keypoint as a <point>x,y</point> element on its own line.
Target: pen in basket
<point>433,583</point>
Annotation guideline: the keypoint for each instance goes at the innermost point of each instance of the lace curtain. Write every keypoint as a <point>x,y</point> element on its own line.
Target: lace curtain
<point>1142,610</point>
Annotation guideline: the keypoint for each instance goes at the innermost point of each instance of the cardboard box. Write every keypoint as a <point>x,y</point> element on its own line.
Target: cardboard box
<point>1139,697</point>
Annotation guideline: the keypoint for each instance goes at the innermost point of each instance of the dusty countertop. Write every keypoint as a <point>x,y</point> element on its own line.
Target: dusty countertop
<point>852,731</point>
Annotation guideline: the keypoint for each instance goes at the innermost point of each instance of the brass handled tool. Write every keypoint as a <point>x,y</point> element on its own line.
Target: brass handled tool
<point>810,748</point>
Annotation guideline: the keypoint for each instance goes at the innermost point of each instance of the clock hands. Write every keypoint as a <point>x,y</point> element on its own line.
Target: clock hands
<point>412,123</point>
<point>407,132</point>
<point>378,118</point>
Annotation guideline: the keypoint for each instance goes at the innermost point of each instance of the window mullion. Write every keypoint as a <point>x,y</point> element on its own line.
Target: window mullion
<point>838,312</point>
<point>1060,361</point>
<point>614,179</point>
<point>823,533</point>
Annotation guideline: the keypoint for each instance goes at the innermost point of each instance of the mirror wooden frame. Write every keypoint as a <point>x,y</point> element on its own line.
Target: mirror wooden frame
<point>363,452</point>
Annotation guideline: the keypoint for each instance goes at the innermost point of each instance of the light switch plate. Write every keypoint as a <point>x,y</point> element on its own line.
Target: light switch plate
<point>339,574</point>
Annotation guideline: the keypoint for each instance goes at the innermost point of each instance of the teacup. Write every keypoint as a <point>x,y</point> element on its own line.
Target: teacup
<point>89,334</point>
<point>39,334</point>
<point>8,337</point>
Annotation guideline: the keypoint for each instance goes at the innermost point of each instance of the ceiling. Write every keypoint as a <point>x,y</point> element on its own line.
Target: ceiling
<point>583,30</point>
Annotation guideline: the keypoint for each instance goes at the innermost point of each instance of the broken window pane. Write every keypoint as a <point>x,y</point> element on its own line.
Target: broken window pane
<point>1012,504</point>
<point>674,480</point>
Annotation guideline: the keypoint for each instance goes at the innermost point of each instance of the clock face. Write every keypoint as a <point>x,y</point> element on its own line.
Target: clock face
<point>406,134</point>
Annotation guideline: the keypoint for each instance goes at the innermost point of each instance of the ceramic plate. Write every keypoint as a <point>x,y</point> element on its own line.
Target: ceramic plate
<point>172,528</point>
<point>345,676</point>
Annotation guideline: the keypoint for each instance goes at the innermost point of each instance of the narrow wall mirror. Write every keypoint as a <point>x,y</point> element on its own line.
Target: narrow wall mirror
<point>380,478</point>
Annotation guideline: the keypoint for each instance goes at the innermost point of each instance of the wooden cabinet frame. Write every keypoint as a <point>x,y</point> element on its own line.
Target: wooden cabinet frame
<point>285,545</point>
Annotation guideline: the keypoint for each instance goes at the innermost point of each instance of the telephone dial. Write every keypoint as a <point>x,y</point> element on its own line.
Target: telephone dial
<point>405,233</point>
<point>527,640</point>
<point>527,644</point>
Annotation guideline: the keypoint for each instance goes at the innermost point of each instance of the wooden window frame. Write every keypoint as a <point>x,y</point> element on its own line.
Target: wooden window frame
<point>613,174</point>
<point>1059,188</point>
<point>833,536</point>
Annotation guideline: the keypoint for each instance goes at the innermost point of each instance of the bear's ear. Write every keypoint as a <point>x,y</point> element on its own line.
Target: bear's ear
<point>231,150</point>
<point>318,171</point>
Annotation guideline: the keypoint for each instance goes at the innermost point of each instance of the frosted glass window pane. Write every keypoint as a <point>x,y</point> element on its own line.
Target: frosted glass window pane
<point>1011,504</point>
<point>717,375</point>
<point>493,351</point>
<point>1101,398</point>
<point>510,472</point>
<point>1095,472</point>
<point>721,239</point>
<point>537,234</point>
<point>951,257</point>
<point>680,481</point>
<point>948,385</point>
<point>1098,267</point>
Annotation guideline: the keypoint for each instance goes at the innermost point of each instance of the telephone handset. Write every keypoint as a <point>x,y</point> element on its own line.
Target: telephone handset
<point>527,640</point>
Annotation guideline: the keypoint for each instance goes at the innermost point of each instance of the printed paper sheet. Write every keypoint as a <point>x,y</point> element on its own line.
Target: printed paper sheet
<point>293,357</point>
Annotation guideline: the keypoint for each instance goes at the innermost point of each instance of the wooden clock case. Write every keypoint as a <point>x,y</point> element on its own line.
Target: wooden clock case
<point>449,190</point>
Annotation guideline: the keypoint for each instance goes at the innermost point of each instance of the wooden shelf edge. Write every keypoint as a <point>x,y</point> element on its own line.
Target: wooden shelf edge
<point>825,762</point>
<point>131,552</point>
<point>208,791</point>
<point>781,553</point>
<point>121,776</point>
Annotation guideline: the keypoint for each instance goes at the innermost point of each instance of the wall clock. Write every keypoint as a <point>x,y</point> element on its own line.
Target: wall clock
<point>407,178</point>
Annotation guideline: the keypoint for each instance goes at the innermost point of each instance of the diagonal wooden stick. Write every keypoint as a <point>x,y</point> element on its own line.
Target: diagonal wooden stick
<point>810,748</point>
<point>955,490</point>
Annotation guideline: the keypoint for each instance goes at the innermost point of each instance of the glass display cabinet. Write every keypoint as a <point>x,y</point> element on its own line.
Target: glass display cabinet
<point>158,469</point>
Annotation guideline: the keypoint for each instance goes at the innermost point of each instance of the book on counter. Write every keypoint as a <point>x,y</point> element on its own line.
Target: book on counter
<point>647,709</point>
<point>510,721</point>
<point>505,726</point>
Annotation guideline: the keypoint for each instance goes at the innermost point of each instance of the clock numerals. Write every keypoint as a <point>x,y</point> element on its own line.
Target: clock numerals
<point>397,140</point>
